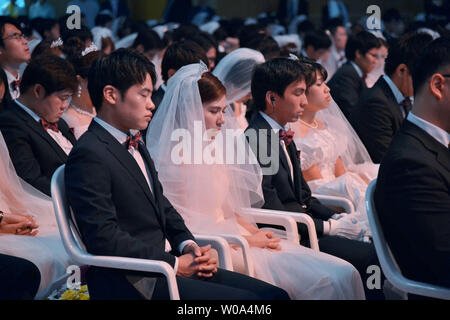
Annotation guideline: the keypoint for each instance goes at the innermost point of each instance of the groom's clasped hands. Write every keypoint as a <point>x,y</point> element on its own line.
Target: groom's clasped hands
<point>197,261</point>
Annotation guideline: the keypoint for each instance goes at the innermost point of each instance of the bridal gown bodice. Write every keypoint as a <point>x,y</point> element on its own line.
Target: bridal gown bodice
<point>322,147</point>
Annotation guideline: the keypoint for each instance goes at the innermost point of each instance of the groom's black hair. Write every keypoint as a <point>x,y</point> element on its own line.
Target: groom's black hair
<point>276,75</point>
<point>121,69</point>
<point>435,58</point>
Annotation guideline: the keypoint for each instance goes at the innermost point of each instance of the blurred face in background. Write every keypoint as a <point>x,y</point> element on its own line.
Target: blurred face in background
<point>340,38</point>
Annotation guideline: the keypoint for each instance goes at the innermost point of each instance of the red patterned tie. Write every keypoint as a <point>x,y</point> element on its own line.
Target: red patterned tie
<point>49,125</point>
<point>133,141</point>
<point>286,136</point>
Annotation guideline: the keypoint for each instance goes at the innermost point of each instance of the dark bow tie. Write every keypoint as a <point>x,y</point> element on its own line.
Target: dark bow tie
<point>49,125</point>
<point>15,84</point>
<point>133,141</point>
<point>286,136</point>
<point>407,105</point>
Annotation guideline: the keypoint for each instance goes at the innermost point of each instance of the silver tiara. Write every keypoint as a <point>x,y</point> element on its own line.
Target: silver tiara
<point>293,57</point>
<point>89,49</point>
<point>56,43</point>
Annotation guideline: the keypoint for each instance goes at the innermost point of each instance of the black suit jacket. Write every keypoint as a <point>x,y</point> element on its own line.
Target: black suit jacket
<point>280,193</point>
<point>412,198</point>
<point>377,118</point>
<point>33,151</point>
<point>345,87</point>
<point>115,210</point>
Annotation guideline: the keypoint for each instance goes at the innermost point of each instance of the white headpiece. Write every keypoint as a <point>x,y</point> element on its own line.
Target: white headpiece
<point>89,49</point>
<point>235,72</point>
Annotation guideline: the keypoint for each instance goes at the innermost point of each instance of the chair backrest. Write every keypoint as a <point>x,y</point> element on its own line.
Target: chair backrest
<point>68,229</point>
<point>387,260</point>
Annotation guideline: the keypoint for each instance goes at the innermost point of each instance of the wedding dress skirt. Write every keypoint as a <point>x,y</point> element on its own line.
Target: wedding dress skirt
<point>45,250</point>
<point>305,274</point>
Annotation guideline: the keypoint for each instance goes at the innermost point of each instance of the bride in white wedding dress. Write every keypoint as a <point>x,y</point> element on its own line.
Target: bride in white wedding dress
<point>333,159</point>
<point>186,139</point>
<point>45,249</point>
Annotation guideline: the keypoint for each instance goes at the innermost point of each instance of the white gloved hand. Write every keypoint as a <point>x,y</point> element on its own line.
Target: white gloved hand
<point>337,216</point>
<point>348,227</point>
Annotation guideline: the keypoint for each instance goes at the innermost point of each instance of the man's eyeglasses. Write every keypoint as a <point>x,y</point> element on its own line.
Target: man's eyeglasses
<point>446,75</point>
<point>15,36</point>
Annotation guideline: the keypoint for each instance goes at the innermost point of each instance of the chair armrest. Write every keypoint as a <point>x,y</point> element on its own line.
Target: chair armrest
<point>221,245</point>
<point>125,263</point>
<point>272,217</point>
<point>336,202</point>
<point>293,230</point>
<point>242,242</point>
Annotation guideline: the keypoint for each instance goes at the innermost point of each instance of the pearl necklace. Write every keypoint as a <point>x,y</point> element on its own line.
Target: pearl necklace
<point>86,113</point>
<point>314,126</point>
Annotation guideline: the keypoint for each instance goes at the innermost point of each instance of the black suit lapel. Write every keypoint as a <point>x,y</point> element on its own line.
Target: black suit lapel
<point>263,124</point>
<point>121,153</point>
<point>390,96</point>
<point>157,192</point>
<point>438,149</point>
<point>65,130</point>
<point>39,129</point>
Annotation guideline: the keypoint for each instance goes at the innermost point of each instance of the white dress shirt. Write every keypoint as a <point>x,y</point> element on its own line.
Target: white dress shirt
<point>121,137</point>
<point>59,138</point>
<point>437,133</point>
<point>399,97</point>
<point>15,93</point>
<point>276,126</point>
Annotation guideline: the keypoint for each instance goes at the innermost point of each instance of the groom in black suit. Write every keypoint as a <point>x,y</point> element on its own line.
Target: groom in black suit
<point>119,203</point>
<point>380,111</point>
<point>278,90</point>
<point>412,194</point>
<point>38,140</point>
<point>349,81</point>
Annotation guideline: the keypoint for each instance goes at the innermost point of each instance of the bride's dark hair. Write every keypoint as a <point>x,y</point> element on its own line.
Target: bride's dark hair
<point>314,67</point>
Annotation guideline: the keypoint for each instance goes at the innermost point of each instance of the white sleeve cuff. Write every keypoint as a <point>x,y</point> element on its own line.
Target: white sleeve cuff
<point>326,228</point>
<point>184,244</point>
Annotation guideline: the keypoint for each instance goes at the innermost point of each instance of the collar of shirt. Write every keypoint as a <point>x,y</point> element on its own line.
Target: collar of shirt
<point>28,110</point>
<point>273,124</point>
<point>437,133</point>
<point>357,68</point>
<point>397,93</point>
<point>10,77</point>
<point>164,87</point>
<point>116,133</point>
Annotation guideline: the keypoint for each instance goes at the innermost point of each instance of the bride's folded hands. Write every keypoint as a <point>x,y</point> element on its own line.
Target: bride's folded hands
<point>264,239</point>
<point>18,224</point>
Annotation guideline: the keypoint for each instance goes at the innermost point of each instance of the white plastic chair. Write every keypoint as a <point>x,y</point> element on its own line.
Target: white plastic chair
<point>336,201</point>
<point>77,251</point>
<point>387,260</point>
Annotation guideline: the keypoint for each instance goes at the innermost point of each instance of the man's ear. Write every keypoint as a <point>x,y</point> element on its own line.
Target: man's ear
<point>401,70</point>
<point>170,73</point>
<point>436,85</point>
<point>38,91</point>
<point>110,94</point>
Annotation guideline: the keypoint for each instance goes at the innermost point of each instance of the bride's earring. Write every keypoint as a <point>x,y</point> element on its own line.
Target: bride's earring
<point>79,91</point>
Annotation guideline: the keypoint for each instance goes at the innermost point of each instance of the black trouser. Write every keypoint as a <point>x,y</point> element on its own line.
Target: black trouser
<point>19,278</point>
<point>109,284</point>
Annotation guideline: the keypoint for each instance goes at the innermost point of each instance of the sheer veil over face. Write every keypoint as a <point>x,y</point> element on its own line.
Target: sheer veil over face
<point>207,180</point>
